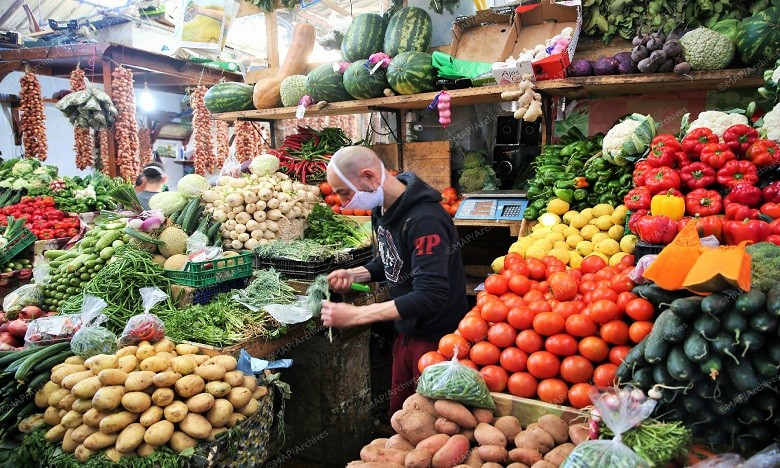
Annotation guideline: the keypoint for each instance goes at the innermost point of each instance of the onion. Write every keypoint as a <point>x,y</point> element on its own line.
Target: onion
<point>150,224</point>
<point>31,312</point>
<point>17,328</point>
<point>7,338</point>
<point>135,223</point>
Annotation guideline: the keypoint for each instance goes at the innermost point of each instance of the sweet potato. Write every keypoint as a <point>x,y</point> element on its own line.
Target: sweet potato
<point>380,442</point>
<point>419,402</point>
<point>517,465</point>
<point>543,464</point>
<point>417,458</point>
<point>557,455</point>
<point>493,453</point>
<point>534,437</point>
<point>555,426</point>
<point>416,426</point>
<point>509,426</point>
<point>395,418</point>
<point>399,443</point>
<point>372,453</point>
<point>453,452</point>
<point>469,433</point>
<point>492,465</point>
<point>482,415</point>
<point>489,435</point>
<point>362,464</point>
<point>433,443</point>
<point>578,433</point>
<point>456,413</point>
<point>444,426</point>
<point>474,460</point>
<point>525,455</point>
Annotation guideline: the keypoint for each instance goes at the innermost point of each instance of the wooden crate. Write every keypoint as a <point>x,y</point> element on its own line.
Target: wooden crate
<point>529,411</point>
<point>430,160</point>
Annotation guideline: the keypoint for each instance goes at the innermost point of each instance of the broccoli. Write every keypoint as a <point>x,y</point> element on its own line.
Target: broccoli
<point>473,160</point>
<point>478,178</point>
<point>765,265</point>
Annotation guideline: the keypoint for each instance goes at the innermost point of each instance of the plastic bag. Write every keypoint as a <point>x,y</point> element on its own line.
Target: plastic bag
<point>47,330</point>
<point>231,167</point>
<point>451,380</point>
<point>29,294</point>
<point>621,410</point>
<point>146,326</point>
<point>767,458</point>
<point>91,340</point>
<point>197,241</point>
<point>204,255</point>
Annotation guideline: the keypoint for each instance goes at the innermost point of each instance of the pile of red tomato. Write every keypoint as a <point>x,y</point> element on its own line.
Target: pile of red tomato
<point>542,331</point>
<point>333,200</point>
<point>450,200</point>
<point>45,221</point>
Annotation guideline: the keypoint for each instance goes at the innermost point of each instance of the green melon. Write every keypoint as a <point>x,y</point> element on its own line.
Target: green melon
<point>229,97</point>
<point>758,39</point>
<point>409,29</point>
<point>412,73</point>
<point>292,89</point>
<point>361,84</point>
<point>364,37</point>
<point>324,84</point>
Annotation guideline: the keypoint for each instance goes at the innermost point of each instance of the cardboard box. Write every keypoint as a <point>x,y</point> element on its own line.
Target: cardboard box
<point>482,37</point>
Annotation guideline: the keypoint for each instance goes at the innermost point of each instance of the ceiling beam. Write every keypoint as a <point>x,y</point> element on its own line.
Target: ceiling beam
<point>335,7</point>
<point>10,11</point>
<point>312,18</point>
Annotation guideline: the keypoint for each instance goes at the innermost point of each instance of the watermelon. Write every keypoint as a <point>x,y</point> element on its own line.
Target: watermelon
<point>229,97</point>
<point>324,84</point>
<point>365,36</point>
<point>409,29</point>
<point>292,89</point>
<point>361,84</point>
<point>758,38</point>
<point>412,73</point>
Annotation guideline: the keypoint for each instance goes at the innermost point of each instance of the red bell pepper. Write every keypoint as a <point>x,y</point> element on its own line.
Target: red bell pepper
<point>661,179</point>
<point>656,229</point>
<point>636,216</point>
<point>771,193</point>
<point>682,158</point>
<point>703,202</point>
<point>737,172</point>
<point>739,137</point>
<point>662,156</point>
<point>682,222</point>
<point>763,153</point>
<point>638,199</point>
<point>775,225</point>
<point>709,226</point>
<point>696,139</point>
<point>697,175</point>
<point>773,238</point>
<point>666,140</point>
<point>640,171</point>
<point>745,194</point>
<point>738,212</point>
<point>717,154</point>
<point>750,230</point>
<point>771,209</point>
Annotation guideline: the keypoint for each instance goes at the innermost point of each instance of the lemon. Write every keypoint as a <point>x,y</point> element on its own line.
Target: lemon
<point>603,209</point>
<point>555,236</point>
<point>517,247</point>
<point>557,206</point>
<point>536,227</point>
<point>541,233</point>
<point>598,237</point>
<point>568,215</point>
<point>588,213</point>
<point>561,245</point>
<point>604,222</point>
<point>619,215</point>
<point>573,240</point>
<point>628,243</point>
<point>615,259</point>
<point>608,247</point>
<point>616,232</point>
<point>578,221</point>
<point>560,228</point>
<point>570,231</point>
<point>549,220</point>
<point>588,231</point>
<point>561,254</point>
<point>584,248</point>
<point>546,244</point>
<point>599,254</point>
<point>525,242</point>
<point>537,251</point>
<point>498,264</point>
<point>575,259</point>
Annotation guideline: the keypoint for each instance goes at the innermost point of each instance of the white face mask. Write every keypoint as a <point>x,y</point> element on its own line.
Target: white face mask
<point>363,200</point>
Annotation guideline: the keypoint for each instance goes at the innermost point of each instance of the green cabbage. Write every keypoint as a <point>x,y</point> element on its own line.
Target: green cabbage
<point>264,164</point>
<point>192,185</point>
<point>167,202</point>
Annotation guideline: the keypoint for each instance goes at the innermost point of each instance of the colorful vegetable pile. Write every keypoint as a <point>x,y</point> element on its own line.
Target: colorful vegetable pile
<point>40,216</point>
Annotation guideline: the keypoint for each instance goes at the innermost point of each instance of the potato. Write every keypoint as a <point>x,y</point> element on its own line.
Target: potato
<point>72,420</point>
<point>509,426</point>
<point>234,419</point>
<point>260,392</point>
<point>218,389</point>
<point>228,363</point>
<point>145,450</point>
<point>456,413</point>
<point>215,432</point>
<point>56,433</point>
<point>362,464</point>
<point>116,422</point>
<point>101,362</point>
<point>42,395</point>
<point>130,438</point>
<point>555,426</point>
<point>199,358</point>
<point>175,412</point>
<point>83,454</point>
<point>71,380</point>
<point>151,416</point>
<point>68,444</point>
<point>154,364</point>
<point>536,438</point>
<point>517,465</point>
<point>200,403</point>
<point>162,396</point>
<point>116,456</point>
<point>181,441</point>
<point>82,405</point>
<point>166,379</point>
<point>493,453</point>
<point>399,443</point>
<point>81,433</point>
<point>87,387</point>
<point>64,371</point>
<point>433,443</point>
<point>127,364</point>
<point>557,455</point>
<point>219,414</point>
<point>74,360</point>
<point>127,351</point>
<point>112,377</point>
<point>417,459</point>
<point>184,348</point>
<point>543,464</point>
<point>210,372</point>
<point>250,382</point>
<point>492,465</point>
<point>52,416</point>
<point>139,380</point>
<point>195,425</point>
<point>136,402</point>
<point>239,397</point>
<point>446,427</point>
<point>234,378</point>
<point>415,425</point>
<point>159,433</point>
<point>93,417</point>
<point>525,455</point>
<point>56,396</point>
<point>67,402</point>
<point>189,386</point>
<point>100,440</point>
<point>419,402</point>
<point>482,415</point>
<point>380,441</point>
<point>183,365</point>
<point>250,408</point>
<point>108,398</point>
<point>489,435</point>
<point>164,345</point>
<point>372,453</point>
<point>473,460</point>
<point>578,433</point>
<point>453,452</point>
<point>145,352</point>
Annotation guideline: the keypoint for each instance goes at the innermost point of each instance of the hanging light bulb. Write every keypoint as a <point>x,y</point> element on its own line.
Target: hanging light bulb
<point>146,100</point>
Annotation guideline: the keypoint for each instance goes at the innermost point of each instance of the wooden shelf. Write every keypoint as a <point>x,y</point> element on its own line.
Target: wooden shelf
<point>515,227</point>
<point>577,87</point>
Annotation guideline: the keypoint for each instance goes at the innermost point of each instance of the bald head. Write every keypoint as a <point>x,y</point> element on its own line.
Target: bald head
<point>359,165</point>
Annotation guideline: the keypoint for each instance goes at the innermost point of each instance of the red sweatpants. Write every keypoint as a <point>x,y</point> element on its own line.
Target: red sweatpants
<point>406,352</point>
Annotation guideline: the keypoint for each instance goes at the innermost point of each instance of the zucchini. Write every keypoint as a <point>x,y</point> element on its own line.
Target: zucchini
<point>717,304</point>
<point>195,220</point>
<point>773,300</point>
<point>763,322</point>
<point>107,239</point>
<point>656,348</point>
<point>48,363</point>
<point>674,328</point>
<point>189,213</point>
<point>53,254</point>
<point>750,302</point>
<point>695,348</point>
<point>213,230</point>
<point>77,262</point>
<point>687,308</point>
<point>678,365</point>
<point>712,366</point>
<point>742,375</point>
<point>141,236</point>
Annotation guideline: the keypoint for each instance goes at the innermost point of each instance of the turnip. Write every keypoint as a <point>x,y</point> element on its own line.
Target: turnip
<point>269,235</point>
<point>250,208</point>
<point>257,234</point>
<point>243,217</point>
<point>243,237</point>
<point>240,228</point>
<point>135,223</point>
<point>259,216</point>
<point>251,225</point>
<point>260,205</point>
<point>273,203</point>
<point>273,215</point>
<point>236,245</point>
<point>272,226</point>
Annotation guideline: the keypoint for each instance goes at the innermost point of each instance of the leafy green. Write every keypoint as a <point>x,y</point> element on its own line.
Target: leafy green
<point>326,228</point>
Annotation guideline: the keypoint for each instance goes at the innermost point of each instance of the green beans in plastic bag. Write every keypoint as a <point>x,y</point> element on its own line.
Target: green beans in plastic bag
<point>91,339</point>
<point>450,380</point>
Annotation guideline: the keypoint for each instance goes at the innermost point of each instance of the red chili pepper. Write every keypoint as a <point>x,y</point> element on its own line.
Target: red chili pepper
<point>739,137</point>
<point>745,194</point>
<point>695,140</point>
<point>697,175</point>
<point>737,172</point>
<point>717,155</point>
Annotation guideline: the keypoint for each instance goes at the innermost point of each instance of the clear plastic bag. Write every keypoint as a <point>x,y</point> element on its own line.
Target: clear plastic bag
<point>231,167</point>
<point>451,380</point>
<point>621,410</point>
<point>767,458</point>
<point>47,330</point>
<point>29,294</point>
<point>91,339</point>
<point>197,241</point>
<point>146,326</point>
<point>204,255</point>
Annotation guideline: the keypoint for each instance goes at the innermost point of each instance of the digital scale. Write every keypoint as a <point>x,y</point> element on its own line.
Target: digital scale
<point>505,205</point>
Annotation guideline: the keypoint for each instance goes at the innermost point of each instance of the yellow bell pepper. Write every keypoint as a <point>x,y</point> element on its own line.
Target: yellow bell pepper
<point>670,206</point>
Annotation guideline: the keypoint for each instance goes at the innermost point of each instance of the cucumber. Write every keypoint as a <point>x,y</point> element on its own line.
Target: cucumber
<point>725,344</point>
<point>693,403</point>
<point>707,326</point>
<point>773,301</point>
<point>750,302</point>
<point>656,348</point>
<point>141,236</point>
<point>674,328</point>
<point>711,366</point>
<point>678,365</point>
<point>746,444</point>
<point>52,254</point>
<point>195,220</point>
<point>658,295</point>
<point>764,366</point>
<point>179,219</point>
<point>643,378</point>
<point>735,321</point>
<point>107,253</point>
<point>687,308</point>
<point>695,348</point>
<point>706,389</point>
<point>768,402</point>
<point>717,304</point>
<point>750,415</point>
<point>763,322</point>
<point>77,262</point>
<point>661,375</point>
<point>773,351</point>
<point>189,212</point>
<point>751,341</point>
<point>742,375</point>
<point>107,239</point>
<point>213,230</point>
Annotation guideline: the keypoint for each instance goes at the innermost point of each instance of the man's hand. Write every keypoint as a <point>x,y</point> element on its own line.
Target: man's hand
<point>340,281</point>
<point>339,314</point>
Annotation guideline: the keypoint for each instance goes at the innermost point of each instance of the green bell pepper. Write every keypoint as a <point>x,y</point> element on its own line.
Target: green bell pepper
<point>566,195</point>
<point>593,199</point>
<point>600,187</point>
<point>530,213</point>
<point>539,204</point>
<point>580,194</point>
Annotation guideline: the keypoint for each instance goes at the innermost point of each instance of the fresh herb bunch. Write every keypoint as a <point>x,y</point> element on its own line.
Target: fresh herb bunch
<point>266,288</point>
<point>657,442</point>
<point>327,228</point>
<point>301,250</point>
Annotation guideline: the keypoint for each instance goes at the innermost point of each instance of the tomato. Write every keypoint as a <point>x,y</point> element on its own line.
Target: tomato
<point>543,287</point>
<point>621,283</point>
<point>566,309</point>
<point>513,258</point>
<point>518,268</point>
<point>580,325</point>
<point>563,286</point>
<point>603,293</point>
<point>549,323</point>
<point>494,311</point>
<point>607,272</point>
<point>614,332</point>
<point>495,377</point>
<point>521,317</point>
<point>593,348</point>
<point>552,269</point>
<point>484,353</point>
<point>529,341</point>
<point>550,260</point>
<point>325,188</point>
<point>429,358</point>
<point>502,335</point>
<point>496,284</point>
<point>522,384</point>
<point>561,344</point>
<point>638,330</point>
<point>336,209</point>
<point>605,374</point>
<point>520,284</point>
<point>473,328</point>
<point>587,286</point>
<point>508,274</point>
<point>533,296</point>
<point>603,311</point>
<point>618,354</point>
<point>347,211</point>
<point>450,194</point>
<point>623,299</point>
<point>447,345</point>
<point>576,369</point>
<point>640,309</point>
<point>553,391</point>
<point>540,306</point>
<point>543,364</point>
<point>468,363</point>
<point>513,359</point>
<point>579,395</point>
<point>592,264</point>
<point>536,269</point>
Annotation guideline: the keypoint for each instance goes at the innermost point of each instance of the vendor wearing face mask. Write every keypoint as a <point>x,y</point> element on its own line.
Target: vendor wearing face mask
<point>419,258</point>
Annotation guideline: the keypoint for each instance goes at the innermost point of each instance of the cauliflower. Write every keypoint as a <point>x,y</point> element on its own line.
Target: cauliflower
<point>706,49</point>
<point>717,121</point>
<point>772,124</point>
<point>628,138</point>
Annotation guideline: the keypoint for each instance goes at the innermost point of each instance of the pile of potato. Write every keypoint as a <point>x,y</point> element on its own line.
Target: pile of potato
<point>144,397</point>
<point>444,433</point>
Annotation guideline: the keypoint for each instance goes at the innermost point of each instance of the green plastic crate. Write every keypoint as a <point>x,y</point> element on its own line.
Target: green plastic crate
<point>14,247</point>
<point>200,274</point>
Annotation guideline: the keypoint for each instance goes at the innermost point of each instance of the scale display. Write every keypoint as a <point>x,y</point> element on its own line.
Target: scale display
<point>497,209</point>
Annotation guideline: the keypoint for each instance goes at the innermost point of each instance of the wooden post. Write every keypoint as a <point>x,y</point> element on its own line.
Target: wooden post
<point>272,40</point>
<point>111,163</point>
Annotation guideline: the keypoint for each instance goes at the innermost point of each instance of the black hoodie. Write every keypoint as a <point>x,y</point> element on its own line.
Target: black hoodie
<point>420,259</point>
